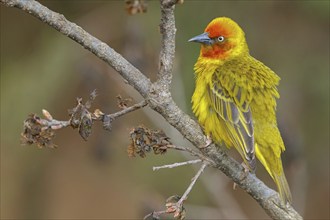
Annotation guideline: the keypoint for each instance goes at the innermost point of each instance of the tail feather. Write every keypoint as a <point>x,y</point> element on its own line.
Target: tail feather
<point>283,187</point>
<point>273,165</point>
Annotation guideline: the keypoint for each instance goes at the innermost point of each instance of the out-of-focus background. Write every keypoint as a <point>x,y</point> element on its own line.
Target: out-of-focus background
<point>42,69</point>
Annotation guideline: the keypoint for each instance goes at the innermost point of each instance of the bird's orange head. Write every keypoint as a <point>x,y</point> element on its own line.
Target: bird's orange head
<point>222,39</point>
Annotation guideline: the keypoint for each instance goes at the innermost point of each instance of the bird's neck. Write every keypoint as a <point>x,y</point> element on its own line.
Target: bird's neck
<point>209,62</point>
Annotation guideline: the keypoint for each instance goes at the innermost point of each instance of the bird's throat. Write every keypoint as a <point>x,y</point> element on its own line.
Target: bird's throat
<point>216,51</point>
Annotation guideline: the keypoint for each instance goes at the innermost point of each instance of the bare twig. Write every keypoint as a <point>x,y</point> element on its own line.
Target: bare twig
<point>159,99</point>
<point>177,164</point>
<point>40,131</point>
<point>128,109</point>
<point>193,181</point>
<point>177,208</point>
<point>174,204</point>
<point>52,123</point>
<point>192,152</point>
<point>109,118</point>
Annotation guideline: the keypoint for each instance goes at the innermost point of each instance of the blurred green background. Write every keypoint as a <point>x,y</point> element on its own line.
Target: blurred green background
<point>42,69</point>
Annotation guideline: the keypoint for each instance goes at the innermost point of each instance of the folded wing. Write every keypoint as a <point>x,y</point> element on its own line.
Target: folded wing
<point>231,102</point>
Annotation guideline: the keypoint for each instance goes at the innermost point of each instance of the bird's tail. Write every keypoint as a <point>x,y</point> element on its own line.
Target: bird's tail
<point>283,187</point>
<point>274,167</point>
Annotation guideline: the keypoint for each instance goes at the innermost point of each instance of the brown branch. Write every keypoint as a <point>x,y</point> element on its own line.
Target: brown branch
<point>40,131</point>
<point>177,207</point>
<point>128,110</point>
<point>192,152</point>
<point>193,181</point>
<point>159,97</point>
<point>174,204</point>
<point>50,122</point>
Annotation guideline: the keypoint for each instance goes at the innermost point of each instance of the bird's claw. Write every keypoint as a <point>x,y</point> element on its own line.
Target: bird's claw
<point>243,175</point>
<point>208,141</point>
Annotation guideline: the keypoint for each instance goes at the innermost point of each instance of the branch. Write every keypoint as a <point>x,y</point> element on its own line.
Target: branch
<point>177,164</point>
<point>193,181</point>
<point>128,110</point>
<point>174,204</point>
<point>177,207</point>
<point>159,97</point>
<point>40,131</point>
<point>167,29</point>
<point>192,152</point>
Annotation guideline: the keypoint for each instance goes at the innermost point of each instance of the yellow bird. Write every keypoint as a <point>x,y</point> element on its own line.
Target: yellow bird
<point>235,99</point>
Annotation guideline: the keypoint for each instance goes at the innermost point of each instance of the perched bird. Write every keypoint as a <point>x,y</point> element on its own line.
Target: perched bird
<point>235,99</point>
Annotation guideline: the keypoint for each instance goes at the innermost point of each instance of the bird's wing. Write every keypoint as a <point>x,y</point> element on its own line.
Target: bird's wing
<point>231,102</point>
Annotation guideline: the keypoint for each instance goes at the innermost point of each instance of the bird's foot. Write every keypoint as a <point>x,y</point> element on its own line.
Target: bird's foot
<point>208,141</point>
<point>244,174</point>
<point>246,170</point>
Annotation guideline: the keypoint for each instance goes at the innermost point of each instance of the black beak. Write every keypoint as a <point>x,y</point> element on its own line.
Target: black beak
<point>202,38</point>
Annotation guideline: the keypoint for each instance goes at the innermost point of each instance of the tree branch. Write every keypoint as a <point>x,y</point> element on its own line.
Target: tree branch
<point>167,29</point>
<point>192,152</point>
<point>193,181</point>
<point>159,97</point>
<point>128,109</point>
<point>173,165</point>
<point>177,207</point>
<point>174,204</point>
<point>39,131</point>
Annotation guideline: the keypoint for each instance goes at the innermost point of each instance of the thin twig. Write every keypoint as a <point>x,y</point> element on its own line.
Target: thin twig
<point>128,109</point>
<point>192,152</point>
<point>177,207</point>
<point>55,124</point>
<point>177,164</point>
<point>37,130</point>
<point>50,122</point>
<point>174,204</point>
<point>193,181</point>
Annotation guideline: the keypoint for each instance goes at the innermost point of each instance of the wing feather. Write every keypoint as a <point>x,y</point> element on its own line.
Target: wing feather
<point>232,106</point>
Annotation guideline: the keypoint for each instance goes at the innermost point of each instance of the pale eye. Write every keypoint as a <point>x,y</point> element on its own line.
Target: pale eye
<point>221,38</point>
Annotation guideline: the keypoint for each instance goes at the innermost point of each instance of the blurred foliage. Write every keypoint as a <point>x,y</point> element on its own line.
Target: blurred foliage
<point>42,69</point>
